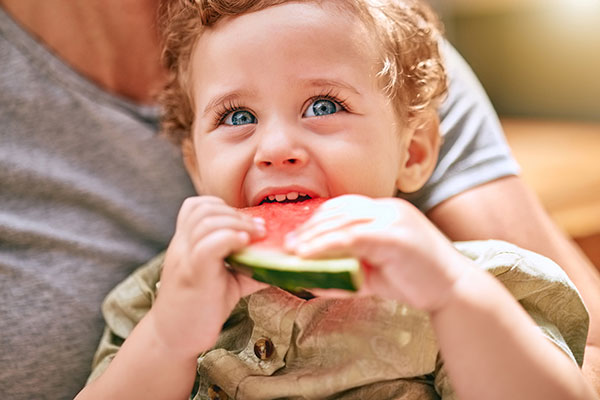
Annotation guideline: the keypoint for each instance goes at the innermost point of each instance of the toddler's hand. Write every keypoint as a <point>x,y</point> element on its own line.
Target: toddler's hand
<point>404,255</point>
<point>197,291</point>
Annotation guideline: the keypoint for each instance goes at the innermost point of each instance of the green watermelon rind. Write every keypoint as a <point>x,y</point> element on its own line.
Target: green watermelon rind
<point>292,272</point>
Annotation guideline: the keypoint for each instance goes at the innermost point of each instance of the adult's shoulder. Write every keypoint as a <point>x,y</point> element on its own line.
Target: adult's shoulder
<point>474,150</point>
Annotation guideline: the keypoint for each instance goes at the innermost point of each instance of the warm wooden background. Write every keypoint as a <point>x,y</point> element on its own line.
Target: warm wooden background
<point>561,161</point>
<point>538,61</point>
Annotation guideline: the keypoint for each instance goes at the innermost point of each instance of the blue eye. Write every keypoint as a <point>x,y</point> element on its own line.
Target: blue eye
<point>321,107</point>
<point>241,117</point>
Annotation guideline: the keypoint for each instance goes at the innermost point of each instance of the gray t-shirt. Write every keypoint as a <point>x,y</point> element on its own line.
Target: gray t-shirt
<point>89,191</point>
<point>474,150</point>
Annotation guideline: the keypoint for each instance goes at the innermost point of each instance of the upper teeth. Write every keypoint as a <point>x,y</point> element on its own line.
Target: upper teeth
<point>288,196</point>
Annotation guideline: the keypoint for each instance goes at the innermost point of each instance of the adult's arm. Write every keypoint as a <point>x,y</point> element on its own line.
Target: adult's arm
<point>475,193</point>
<point>507,209</point>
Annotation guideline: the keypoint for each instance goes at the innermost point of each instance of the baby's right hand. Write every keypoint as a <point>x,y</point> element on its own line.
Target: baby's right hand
<point>197,291</point>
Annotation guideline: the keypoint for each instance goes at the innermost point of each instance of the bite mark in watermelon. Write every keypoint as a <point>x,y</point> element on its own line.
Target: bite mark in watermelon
<point>267,261</point>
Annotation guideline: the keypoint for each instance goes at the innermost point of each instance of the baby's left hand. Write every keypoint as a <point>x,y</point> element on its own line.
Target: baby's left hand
<point>404,255</point>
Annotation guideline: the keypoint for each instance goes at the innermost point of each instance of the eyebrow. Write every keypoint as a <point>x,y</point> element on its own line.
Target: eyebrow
<point>227,98</point>
<point>330,83</point>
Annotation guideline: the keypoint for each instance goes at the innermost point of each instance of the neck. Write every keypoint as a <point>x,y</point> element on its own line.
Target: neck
<point>114,43</point>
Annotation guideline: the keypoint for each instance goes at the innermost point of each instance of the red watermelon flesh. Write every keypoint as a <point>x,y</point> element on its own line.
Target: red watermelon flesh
<point>267,261</point>
<point>282,218</point>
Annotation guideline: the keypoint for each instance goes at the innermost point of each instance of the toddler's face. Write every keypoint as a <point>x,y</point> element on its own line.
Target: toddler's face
<point>287,103</point>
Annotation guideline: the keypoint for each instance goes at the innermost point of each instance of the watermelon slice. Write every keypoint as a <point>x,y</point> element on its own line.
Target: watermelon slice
<point>267,261</point>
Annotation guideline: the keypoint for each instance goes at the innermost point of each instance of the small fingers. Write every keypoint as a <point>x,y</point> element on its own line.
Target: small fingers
<point>317,229</point>
<point>336,214</point>
<point>196,208</point>
<point>253,227</point>
<point>332,230</point>
<point>219,244</point>
<point>333,209</point>
<point>331,244</point>
<point>201,215</point>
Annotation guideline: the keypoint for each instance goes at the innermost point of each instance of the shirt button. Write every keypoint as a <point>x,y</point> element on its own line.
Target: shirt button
<point>263,348</point>
<point>216,393</point>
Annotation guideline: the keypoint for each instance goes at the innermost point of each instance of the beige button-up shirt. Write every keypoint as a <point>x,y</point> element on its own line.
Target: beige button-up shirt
<point>276,345</point>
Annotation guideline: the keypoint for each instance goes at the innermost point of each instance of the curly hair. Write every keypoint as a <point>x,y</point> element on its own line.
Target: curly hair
<point>411,71</point>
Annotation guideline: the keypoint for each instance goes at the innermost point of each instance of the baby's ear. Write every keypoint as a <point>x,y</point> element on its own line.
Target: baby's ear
<point>191,163</point>
<point>422,151</point>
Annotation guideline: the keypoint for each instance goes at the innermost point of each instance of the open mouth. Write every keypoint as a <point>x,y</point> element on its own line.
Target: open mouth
<point>291,197</point>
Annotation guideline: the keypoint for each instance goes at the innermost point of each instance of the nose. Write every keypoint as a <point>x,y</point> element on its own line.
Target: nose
<point>280,147</point>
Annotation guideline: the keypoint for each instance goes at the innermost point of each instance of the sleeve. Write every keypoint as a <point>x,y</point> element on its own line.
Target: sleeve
<point>122,309</point>
<point>541,287</point>
<point>474,150</point>
<point>543,290</point>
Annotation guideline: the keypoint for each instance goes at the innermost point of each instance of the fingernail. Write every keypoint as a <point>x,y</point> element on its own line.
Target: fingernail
<point>302,249</point>
<point>259,224</point>
<point>259,221</point>
<point>290,241</point>
<point>244,237</point>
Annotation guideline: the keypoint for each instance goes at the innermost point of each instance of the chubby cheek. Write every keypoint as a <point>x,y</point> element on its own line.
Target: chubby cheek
<point>357,173</point>
<point>222,175</point>
<point>364,163</point>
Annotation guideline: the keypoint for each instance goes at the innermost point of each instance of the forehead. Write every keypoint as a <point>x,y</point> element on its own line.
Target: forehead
<point>301,17</point>
<point>309,36</point>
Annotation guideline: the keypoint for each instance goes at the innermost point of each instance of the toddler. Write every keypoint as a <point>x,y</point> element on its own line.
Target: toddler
<point>333,99</point>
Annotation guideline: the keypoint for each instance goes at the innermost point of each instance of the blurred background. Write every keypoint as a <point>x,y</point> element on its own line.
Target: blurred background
<point>539,61</point>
